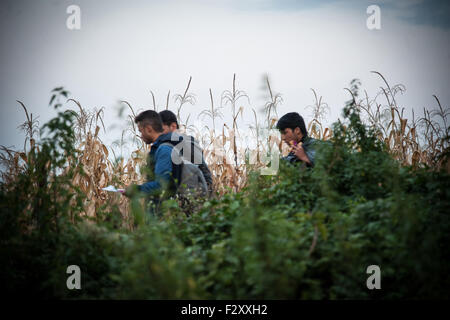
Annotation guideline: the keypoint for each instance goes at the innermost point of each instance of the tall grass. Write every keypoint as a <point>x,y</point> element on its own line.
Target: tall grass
<point>418,141</point>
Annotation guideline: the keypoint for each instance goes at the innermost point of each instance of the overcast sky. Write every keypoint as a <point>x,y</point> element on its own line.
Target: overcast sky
<point>124,49</point>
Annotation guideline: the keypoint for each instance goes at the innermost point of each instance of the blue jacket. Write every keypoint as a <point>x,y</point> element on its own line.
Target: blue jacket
<point>159,163</point>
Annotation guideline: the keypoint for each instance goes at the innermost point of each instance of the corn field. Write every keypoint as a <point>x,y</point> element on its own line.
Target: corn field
<point>418,141</point>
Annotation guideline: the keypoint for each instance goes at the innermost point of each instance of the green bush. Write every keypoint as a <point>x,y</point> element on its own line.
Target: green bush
<point>300,234</point>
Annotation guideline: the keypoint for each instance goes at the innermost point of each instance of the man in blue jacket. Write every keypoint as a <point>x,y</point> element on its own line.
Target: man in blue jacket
<point>160,169</point>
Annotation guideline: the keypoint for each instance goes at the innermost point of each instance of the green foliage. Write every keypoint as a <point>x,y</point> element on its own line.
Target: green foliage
<point>36,207</point>
<point>301,234</point>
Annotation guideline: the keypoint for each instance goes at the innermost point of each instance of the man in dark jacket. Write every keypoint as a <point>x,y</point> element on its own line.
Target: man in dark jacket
<point>187,143</point>
<point>293,132</point>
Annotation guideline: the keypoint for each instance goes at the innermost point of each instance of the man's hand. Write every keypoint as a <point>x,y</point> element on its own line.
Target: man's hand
<point>300,153</point>
<point>131,191</point>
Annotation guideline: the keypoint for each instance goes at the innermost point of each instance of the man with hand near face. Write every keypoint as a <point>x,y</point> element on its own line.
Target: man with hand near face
<point>293,132</point>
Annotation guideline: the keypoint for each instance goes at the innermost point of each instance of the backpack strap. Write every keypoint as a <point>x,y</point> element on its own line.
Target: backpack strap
<point>176,168</point>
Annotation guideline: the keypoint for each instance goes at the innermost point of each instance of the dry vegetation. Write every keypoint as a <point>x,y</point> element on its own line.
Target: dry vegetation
<point>418,141</point>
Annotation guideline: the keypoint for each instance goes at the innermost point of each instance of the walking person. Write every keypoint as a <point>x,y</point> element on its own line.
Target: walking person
<point>170,126</point>
<point>161,172</point>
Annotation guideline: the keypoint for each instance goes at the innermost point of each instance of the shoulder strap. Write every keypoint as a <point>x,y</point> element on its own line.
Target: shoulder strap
<point>177,164</point>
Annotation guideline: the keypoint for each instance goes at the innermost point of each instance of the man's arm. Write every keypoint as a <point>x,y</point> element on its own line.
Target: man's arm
<point>306,156</point>
<point>310,154</point>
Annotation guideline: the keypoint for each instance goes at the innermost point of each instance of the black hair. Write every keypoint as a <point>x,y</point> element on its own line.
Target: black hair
<point>168,117</point>
<point>292,120</point>
<point>151,118</point>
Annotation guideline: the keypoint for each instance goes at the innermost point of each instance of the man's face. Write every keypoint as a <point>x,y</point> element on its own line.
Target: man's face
<point>166,128</point>
<point>169,128</point>
<point>146,133</point>
<point>288,135</point>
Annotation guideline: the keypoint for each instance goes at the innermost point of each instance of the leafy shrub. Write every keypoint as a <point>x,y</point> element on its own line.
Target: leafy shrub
<point>301,234</point>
